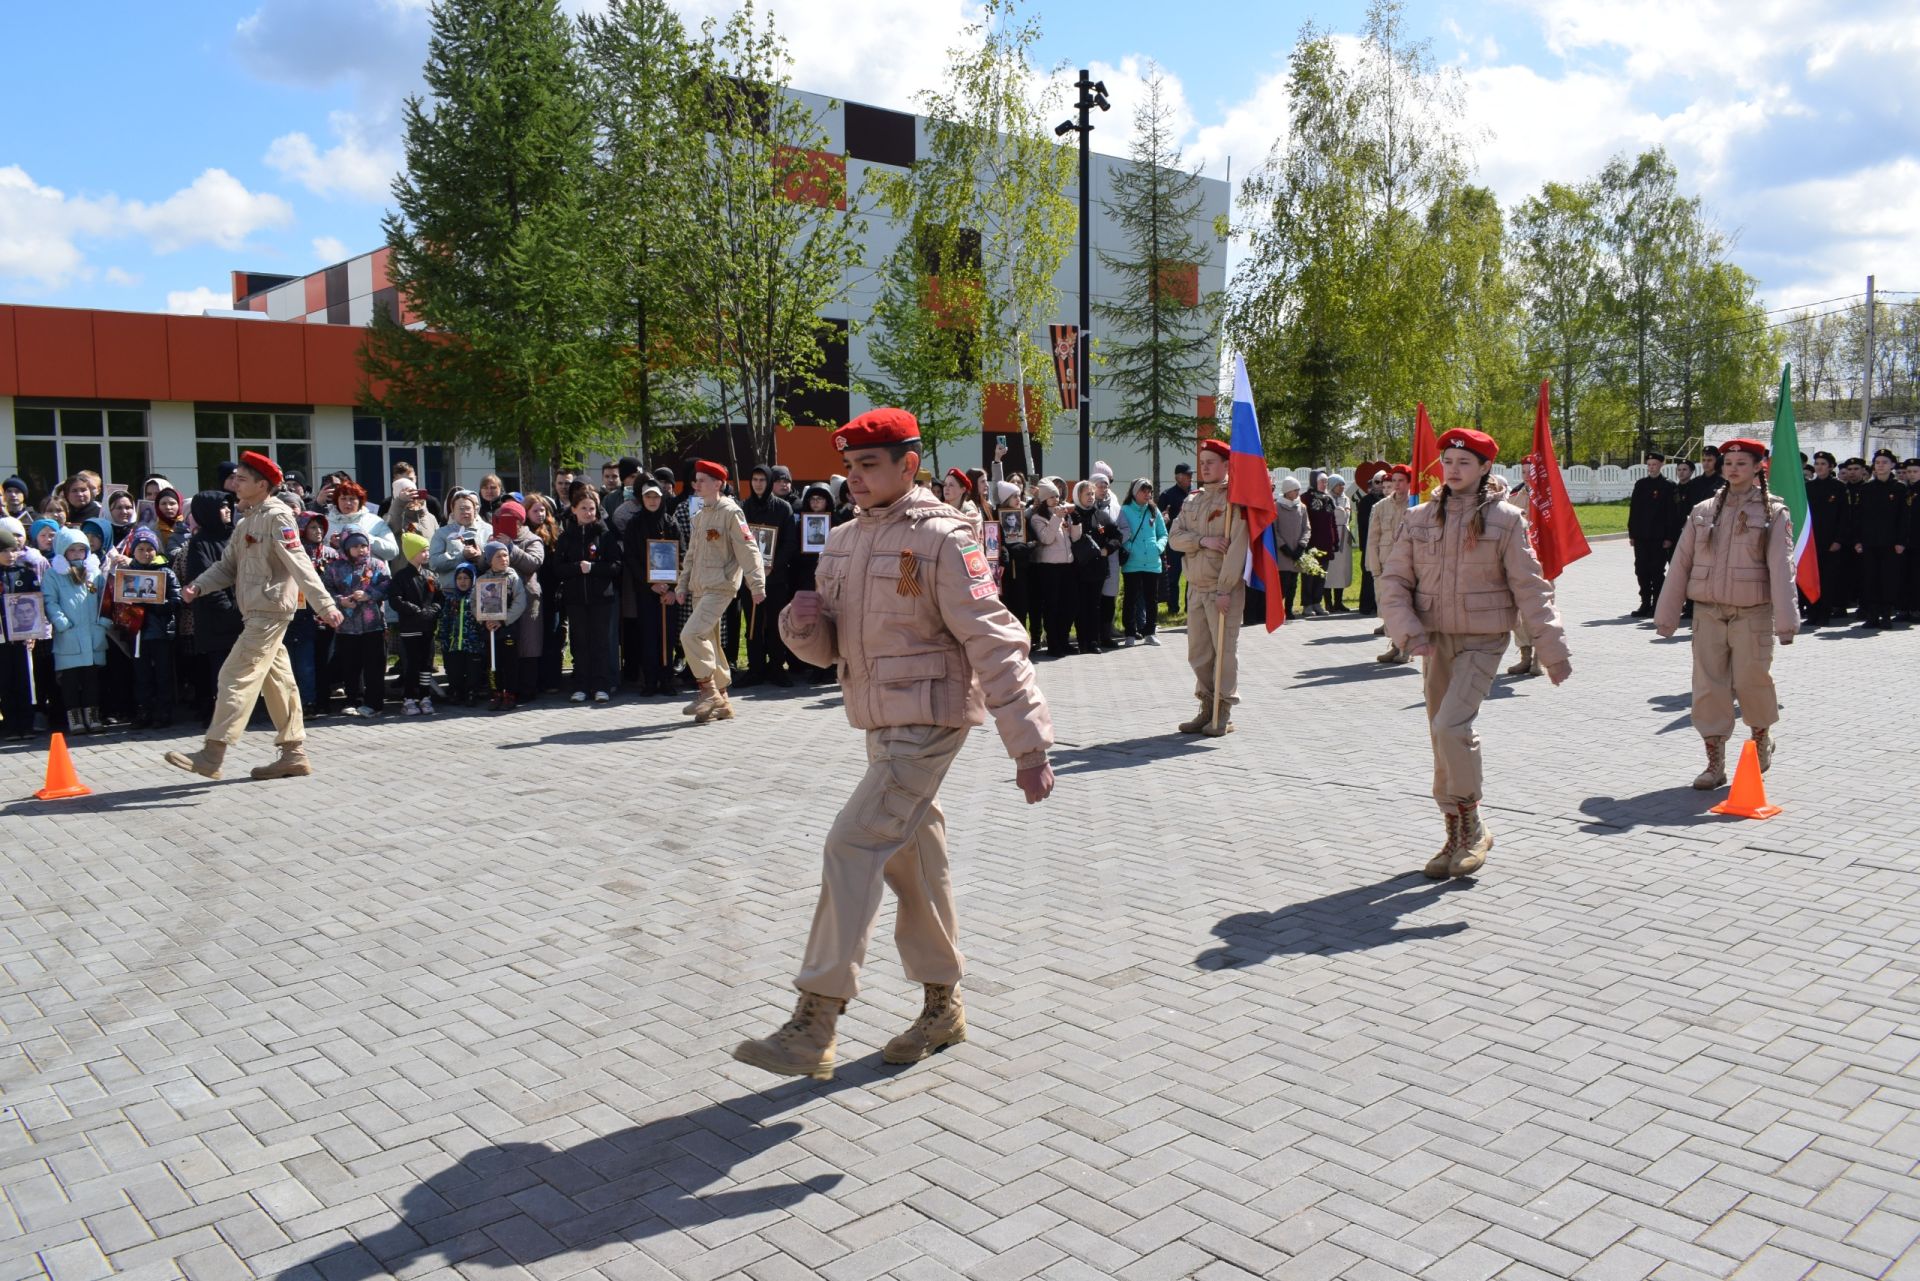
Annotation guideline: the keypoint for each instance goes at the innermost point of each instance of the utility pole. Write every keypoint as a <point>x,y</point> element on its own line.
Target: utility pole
<point>1093,93</point>
<point>1866,382</point>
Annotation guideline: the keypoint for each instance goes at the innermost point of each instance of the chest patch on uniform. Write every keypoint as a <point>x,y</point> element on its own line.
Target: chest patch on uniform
<point>713,535</point>
<point>976,561</point>
<point>909,575</point>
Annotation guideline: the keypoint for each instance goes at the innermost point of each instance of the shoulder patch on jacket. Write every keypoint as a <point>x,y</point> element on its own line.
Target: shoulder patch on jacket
<point>290,538</point>
<point>975,560</point>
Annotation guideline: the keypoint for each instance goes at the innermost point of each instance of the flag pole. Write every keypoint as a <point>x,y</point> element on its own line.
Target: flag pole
<point>1219,631</point>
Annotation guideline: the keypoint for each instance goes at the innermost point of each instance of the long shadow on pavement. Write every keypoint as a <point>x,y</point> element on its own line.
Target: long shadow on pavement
<point>138,798</point>
<point>1665,807</point>
<point>1344,638</point>
<point>1127,753</point>
<point>1350,921</point>
<point>1350,673</point>
<point>534,1202</point>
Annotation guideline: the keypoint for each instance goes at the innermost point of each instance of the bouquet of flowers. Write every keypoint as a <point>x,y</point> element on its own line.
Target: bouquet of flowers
<point>1312,563</point>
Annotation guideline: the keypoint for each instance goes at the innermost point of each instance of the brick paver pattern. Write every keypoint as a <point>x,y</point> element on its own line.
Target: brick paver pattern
<point>461,1003</point>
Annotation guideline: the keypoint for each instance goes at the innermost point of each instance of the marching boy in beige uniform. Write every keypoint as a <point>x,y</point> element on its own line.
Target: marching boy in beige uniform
<point>1734,560</point>
<point>907,608</point>
<point>1216,568</point>
<point>1459,574</point>
<point>720,551</point>
<point>269,572</point>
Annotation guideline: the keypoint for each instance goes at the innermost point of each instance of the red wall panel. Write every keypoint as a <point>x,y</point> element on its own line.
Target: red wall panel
<point>273,363</point>
<point>203,362</point>
<point>130,354</point>
<point>379,265</point>
<point>316,292</point>
<point>9,369</point>
<point>333,364</point>
<point>55,348</point>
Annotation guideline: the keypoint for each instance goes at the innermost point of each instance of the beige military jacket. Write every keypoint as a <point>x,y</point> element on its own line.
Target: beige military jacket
<point>911,616</point>
<point>1203,515</point>
<point>1439,579</point>
<point>1389,514</point>
<point>266,566</point>
<point>721,551</point>
<point>1746,560</point>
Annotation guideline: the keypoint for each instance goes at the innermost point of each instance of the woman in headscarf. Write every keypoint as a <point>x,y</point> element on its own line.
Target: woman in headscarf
<point>652,522</point>
<point>1340,563</point>
<point>1325,537</point>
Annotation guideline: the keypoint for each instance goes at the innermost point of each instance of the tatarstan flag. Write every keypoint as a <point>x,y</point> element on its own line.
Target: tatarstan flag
<point>1789,485</point>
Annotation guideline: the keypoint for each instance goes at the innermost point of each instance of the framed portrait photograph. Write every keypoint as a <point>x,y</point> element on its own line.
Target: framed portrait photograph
<point>990,538</point>
<point>490,598</point>
<point>814,528</point>
<point>768,537</point>
<point>663,560</point>
<point>133,586</point>
<point>25,617</point>
<point>1013,527</point>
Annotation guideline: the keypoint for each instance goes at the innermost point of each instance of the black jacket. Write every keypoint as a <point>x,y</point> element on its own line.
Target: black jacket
<point>598,543</point>
<point>1826,504</point>
<point>777,512</point>
<point>1883,512</point>
<point>216,615</point>
<point>415,598</point>
<point>1652,511</point>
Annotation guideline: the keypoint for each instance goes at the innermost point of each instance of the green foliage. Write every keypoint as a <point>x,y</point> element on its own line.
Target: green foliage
<point>489,245</point>
<point>986,213</point>
<point>1161,353</point>
<point>770,245</point>
<point>649,133</point>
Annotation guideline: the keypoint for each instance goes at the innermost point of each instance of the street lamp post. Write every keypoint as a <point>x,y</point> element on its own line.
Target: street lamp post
<point>1093,93</point>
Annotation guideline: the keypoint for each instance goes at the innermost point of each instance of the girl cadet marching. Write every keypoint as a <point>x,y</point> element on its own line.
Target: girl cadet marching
<point>1734,560</point>
<point>1457,576</point>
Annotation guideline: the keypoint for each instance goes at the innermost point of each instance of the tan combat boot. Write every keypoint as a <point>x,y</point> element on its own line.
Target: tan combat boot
<point>1438,866</point>
<point>942,1022</point>
<point>718,708</point>
<point>1475,840</point>
<point>1763,747</point>
<point>1715,774</point>
<point>1525,667</point>
<point>703,698</point>
<point>1380,630</point>
<point>293,763</point>
<point>1223,727</point>
<point>804,1046</point>
<point>205,762</point>
<point>1200,718</point>
<point>1395,656</point>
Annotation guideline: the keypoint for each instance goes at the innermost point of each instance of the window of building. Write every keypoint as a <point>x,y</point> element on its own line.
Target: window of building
<point>378,445</point>
<point>52,442</point>
<point>883,137</point>
<point>222,435</point>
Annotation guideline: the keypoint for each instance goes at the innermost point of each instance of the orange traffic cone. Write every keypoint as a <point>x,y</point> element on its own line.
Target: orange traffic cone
<point>62,782</point>
<point>1748,796</point>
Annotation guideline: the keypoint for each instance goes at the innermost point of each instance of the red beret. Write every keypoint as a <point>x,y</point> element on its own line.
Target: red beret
<point>1219,447</point>
<point>701,467</point>
<point>966,481</point>
<point>262,466</point>
<point>1477,443</point>
<point>878,427</point>
<point>1401,469</point>
<point>1743,445</point>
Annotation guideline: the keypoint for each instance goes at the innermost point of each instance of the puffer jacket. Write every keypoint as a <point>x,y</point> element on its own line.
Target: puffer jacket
<point>79,631</point>
<point>1440,578</point>
<point>1051,543</point>
<point>384,543</point>
<point>722,553</point>
<point>910,614</point>
<point>1143,537</point>
<point>1389,514</point>
<point>1743,560</point>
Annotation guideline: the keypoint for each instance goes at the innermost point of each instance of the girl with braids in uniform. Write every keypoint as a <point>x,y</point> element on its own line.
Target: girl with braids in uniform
<point>1734,561</point>
<point>1459,575</point>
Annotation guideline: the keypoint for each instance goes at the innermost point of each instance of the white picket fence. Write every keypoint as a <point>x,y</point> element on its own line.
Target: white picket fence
<point>1584,484</point>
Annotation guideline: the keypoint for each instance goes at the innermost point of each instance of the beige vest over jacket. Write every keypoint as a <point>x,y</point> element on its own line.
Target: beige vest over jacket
<point>1743,560</point>
<point>1439,578</point>
<point>911,616</point>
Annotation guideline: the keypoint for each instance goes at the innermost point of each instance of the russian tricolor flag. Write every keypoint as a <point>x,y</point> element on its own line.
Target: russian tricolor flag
<point>1250,488</point>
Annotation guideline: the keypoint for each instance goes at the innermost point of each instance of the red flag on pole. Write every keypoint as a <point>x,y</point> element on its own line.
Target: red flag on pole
<point>1557,537</point>
<point>1426,456</point>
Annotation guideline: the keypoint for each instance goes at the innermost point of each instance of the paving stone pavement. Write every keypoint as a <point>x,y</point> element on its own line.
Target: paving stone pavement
<point>460,1005</point>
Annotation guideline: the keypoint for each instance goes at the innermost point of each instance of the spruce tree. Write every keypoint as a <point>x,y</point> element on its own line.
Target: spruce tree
<point>1160,352</point>
<point>490,246</point>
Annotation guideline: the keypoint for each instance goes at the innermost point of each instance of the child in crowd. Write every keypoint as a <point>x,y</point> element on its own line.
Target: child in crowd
<point>73,588</point>
<point>415,598</point>
<point>153,655</point>
<point>309,646</point>
<point>503,649</point>
<point>359,583</point>
<point>17,577</point>
<point>462,639</point>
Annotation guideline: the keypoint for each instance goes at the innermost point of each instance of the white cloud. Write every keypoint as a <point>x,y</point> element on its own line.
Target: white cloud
<point>116,276</point>
<point>357,165</point>
<point>41,227</point>
<point>191,302</point>
<point>330,249</point>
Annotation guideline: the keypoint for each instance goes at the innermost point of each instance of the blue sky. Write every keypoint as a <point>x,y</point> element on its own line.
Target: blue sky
<point>193,139</point>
